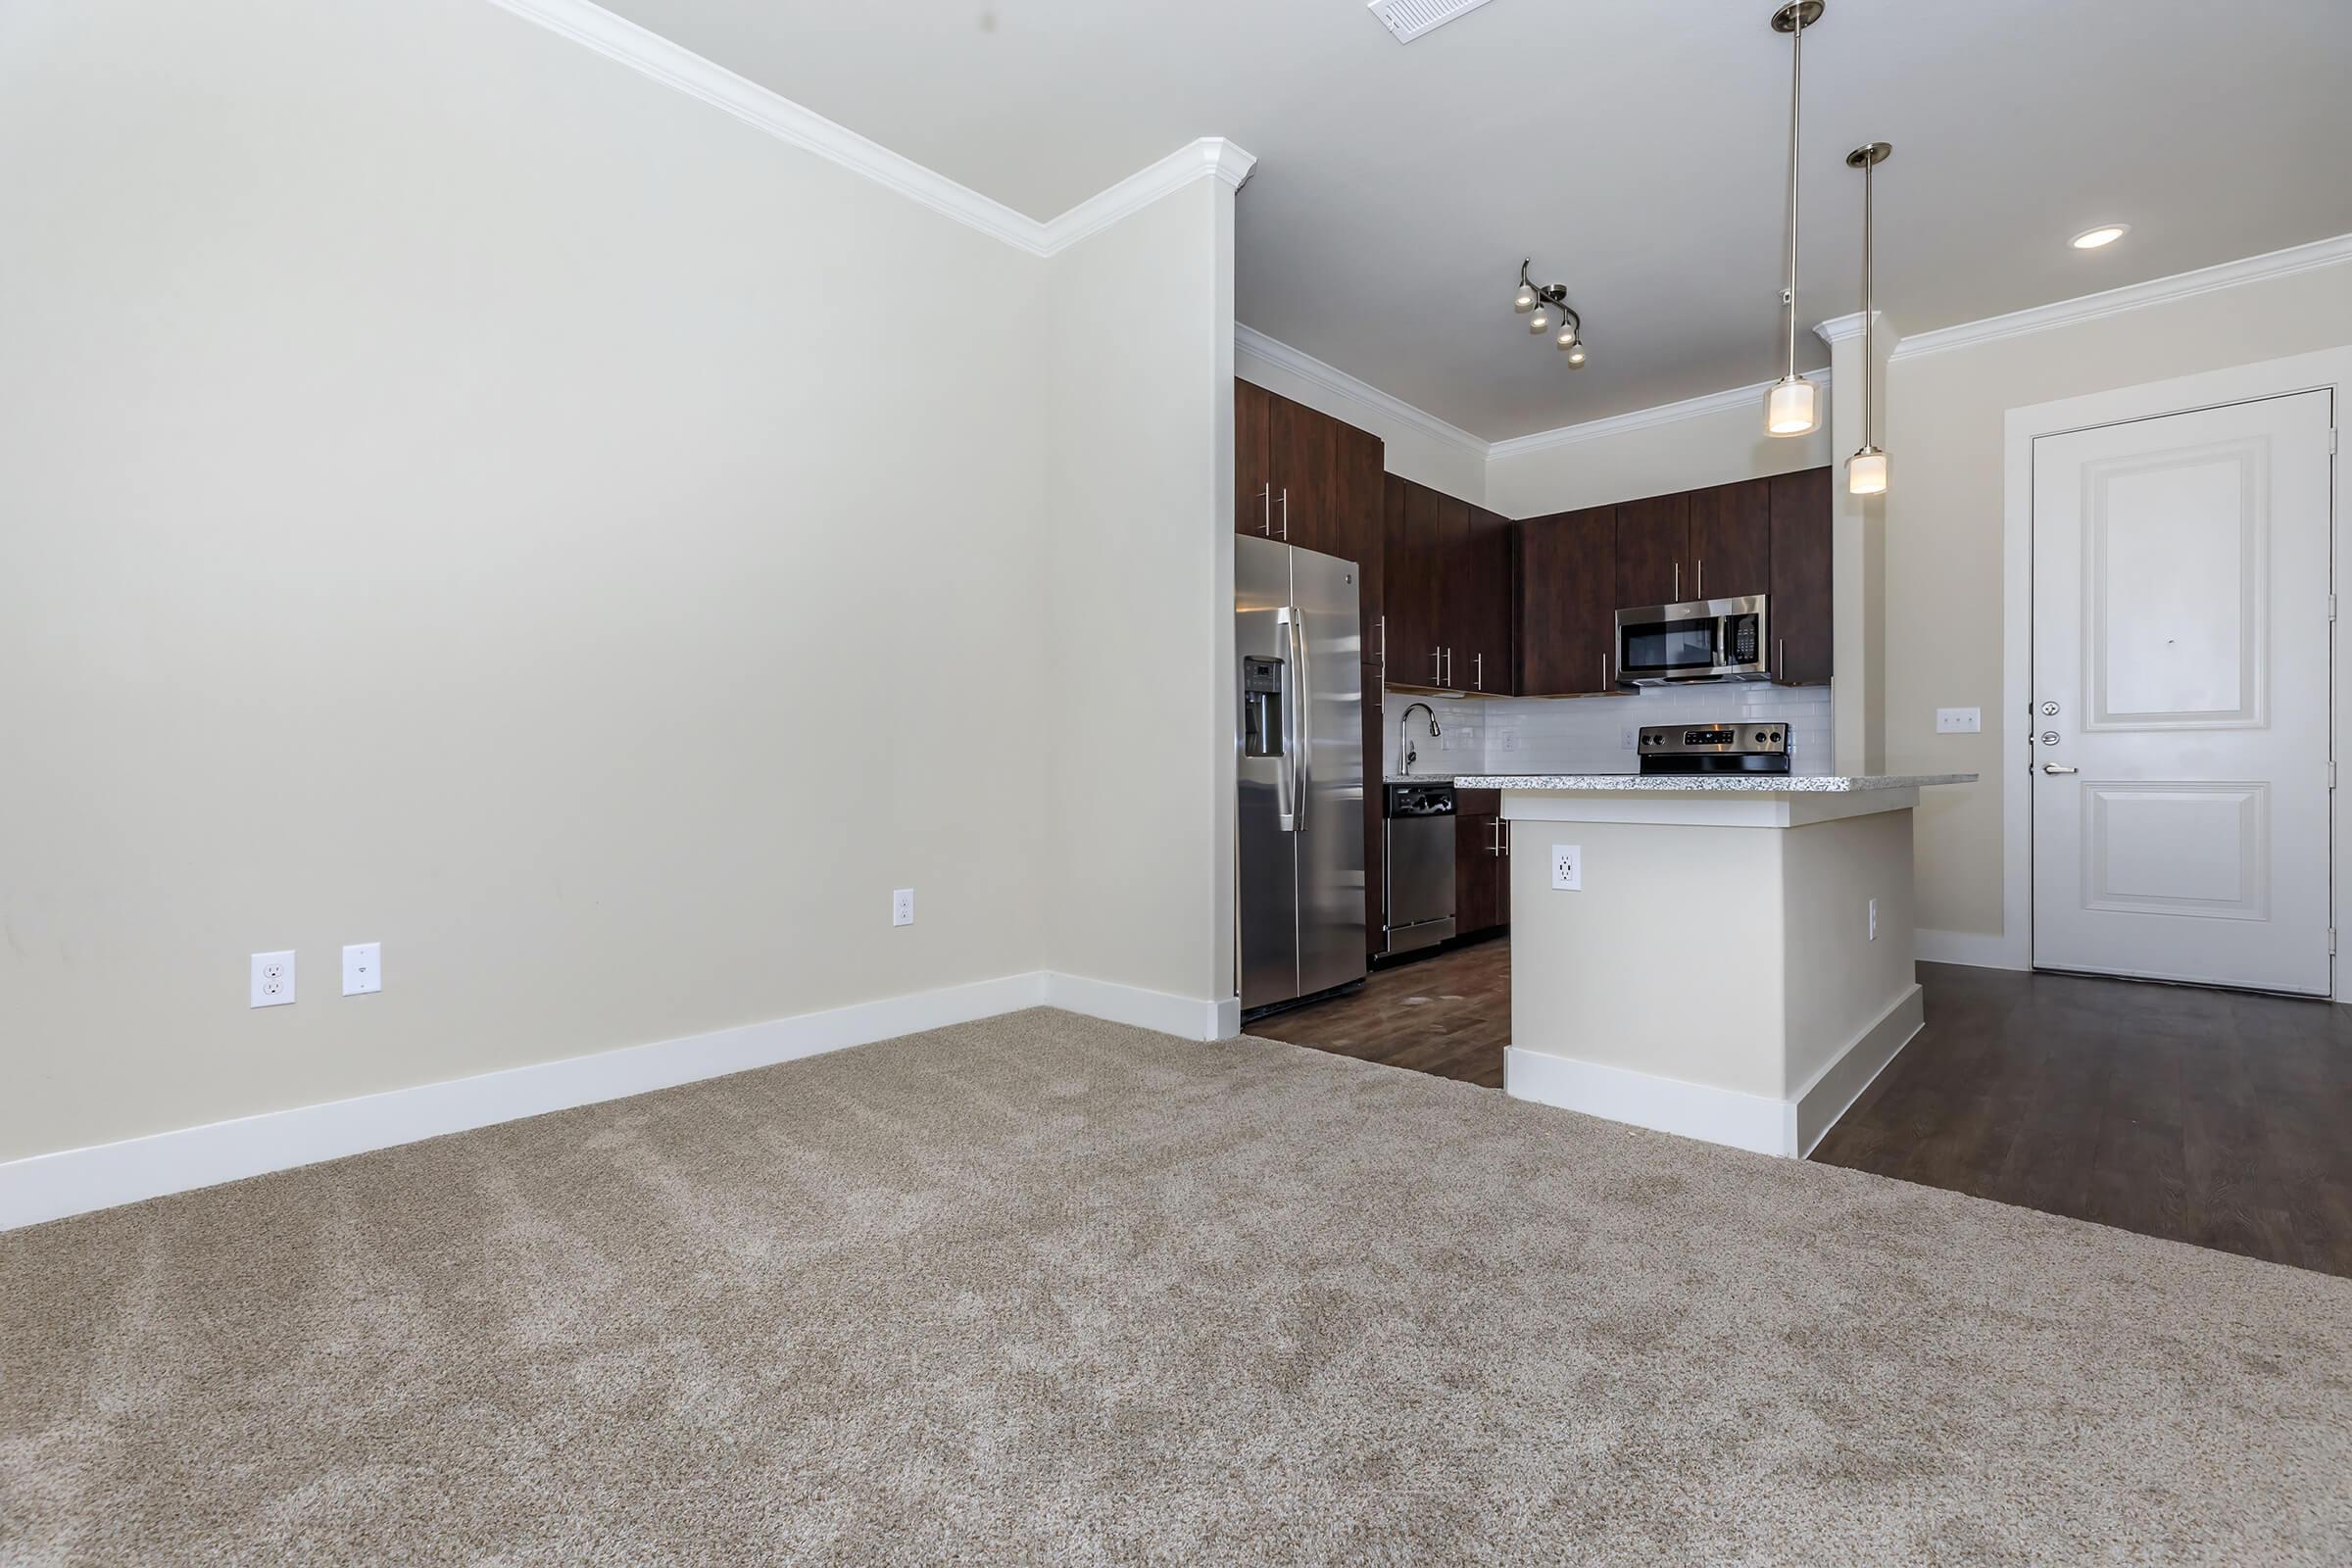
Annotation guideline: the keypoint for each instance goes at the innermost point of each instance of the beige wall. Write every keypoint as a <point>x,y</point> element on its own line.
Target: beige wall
<point>1716,447</point>
<point>1138,669</point>
<point>459,493</point>
<point>1943,544</point>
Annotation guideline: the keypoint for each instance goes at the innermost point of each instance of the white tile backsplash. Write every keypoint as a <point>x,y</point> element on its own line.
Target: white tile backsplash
<point>1595,734</point>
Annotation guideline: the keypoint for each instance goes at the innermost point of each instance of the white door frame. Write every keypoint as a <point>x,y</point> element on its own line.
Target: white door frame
<point>2328,370</point>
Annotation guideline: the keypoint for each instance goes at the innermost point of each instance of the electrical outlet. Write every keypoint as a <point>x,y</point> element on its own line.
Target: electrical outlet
<point>273,979</point>
<point>1629,734</point>
<point>901,907</point>
<point>1874,919</point>
<point>1959,720</point>
<point>1567,867</point>
<point>1510,740</point>
<point>363,968</point>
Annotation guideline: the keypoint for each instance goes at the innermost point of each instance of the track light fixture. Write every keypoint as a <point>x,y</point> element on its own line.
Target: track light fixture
<point>1543,299</point>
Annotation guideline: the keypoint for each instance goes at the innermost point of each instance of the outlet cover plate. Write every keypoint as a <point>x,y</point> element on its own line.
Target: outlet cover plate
<point>1568,868</point>
<point>363,968</point>
<point>273,979</point>
<point>901,907</point>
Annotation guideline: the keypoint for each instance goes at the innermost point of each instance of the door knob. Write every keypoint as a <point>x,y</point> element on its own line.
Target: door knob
<point>2053,767</point>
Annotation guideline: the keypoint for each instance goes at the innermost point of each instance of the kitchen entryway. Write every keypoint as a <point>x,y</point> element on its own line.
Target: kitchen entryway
<point>2182,602</point>
<point>1448,1015</point>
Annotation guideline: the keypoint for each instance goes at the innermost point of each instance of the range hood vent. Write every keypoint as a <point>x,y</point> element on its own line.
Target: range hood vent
<point>1407,20</point>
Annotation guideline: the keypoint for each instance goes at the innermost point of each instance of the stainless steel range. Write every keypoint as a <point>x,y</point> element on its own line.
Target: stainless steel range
<point>1748,748</point>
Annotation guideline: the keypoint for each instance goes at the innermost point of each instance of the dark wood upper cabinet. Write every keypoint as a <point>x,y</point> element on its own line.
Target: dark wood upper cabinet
<point>1410,574</point>
<point>1252,460</point>
<point>1308,480</point>
<point>1731,540</point>
<point>1653,551</point>
<point>1803,632</point>
<point>1567,611</point>
<point>1457,591</point>
<point>1484,633</point>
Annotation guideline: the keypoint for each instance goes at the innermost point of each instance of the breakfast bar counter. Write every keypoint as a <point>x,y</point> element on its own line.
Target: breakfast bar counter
<point>1726,956</point>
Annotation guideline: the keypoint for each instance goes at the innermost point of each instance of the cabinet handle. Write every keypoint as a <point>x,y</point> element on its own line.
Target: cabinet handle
<point>1478,670</point>
<point>1702,578</point>
<point>1267,496</point>
<point>1780,661</point>
<point>1437,660</point>
<point>1285,512</point>
<point>1678,582</point>
<point>1384,642</point>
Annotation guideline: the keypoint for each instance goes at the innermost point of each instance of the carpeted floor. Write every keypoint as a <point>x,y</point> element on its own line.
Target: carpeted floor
<point>1049,1290</point>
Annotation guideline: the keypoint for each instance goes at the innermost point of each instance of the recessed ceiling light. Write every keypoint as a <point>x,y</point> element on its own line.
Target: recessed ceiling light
<point>2091,240</point>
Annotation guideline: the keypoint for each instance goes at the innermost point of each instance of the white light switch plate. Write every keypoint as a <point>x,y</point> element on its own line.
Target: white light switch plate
<point>1568,868</point>
<point>1959,720</point>
<point>901,907</point>
<point>273,979</point>
<point>363,968</point>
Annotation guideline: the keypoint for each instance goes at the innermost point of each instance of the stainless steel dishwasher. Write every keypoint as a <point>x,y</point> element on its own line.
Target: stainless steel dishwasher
<point>1420,824</point>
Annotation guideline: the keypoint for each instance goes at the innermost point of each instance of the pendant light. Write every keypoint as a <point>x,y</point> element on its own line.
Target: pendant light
<point>1792,406</point>
<point>1866,469</point>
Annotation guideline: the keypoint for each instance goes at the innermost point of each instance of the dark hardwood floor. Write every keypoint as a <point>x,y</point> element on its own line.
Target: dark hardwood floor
<point>2205,1116</point>
<point>1449,1015</point>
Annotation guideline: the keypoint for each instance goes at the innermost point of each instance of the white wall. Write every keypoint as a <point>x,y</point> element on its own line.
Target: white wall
<point>1943,534</point>
<point>451,487</point>
<point>1681,447</point>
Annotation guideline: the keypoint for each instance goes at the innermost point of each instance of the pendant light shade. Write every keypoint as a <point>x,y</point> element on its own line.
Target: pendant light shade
<point>1866,472</point>
<point>1790,407</point>
<point>1866,469</point>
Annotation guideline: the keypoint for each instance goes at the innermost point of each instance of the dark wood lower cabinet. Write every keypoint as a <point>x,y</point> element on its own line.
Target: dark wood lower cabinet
<point>1477,861</point>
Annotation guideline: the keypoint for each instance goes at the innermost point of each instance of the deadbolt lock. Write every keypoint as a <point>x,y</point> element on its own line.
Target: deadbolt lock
<point>2049,708</point>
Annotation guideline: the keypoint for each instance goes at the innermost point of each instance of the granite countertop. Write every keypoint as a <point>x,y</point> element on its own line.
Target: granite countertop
<point>1418,778</point>
<point>1713,783</point>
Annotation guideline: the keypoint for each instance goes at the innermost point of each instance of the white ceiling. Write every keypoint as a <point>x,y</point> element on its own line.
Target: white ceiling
<point>1637,151</point>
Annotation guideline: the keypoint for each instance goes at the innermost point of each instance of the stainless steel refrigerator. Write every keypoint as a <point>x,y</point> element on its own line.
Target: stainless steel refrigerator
<point>1301,827</point>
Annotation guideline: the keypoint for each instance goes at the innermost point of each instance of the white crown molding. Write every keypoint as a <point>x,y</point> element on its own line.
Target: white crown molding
<point>2130,297</point>
<point>1249,343</point>
<point>1699,408</point>
<point>1211,157</point>
<point>1837,328</point>
<point>678,66</point>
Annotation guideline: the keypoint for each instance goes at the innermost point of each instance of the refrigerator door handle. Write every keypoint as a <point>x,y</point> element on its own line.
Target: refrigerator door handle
<point>1303,778</point>
<point>1286,791</point>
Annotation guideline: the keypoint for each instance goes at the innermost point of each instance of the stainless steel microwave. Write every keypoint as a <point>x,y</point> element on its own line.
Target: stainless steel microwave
<point>1708,638</point>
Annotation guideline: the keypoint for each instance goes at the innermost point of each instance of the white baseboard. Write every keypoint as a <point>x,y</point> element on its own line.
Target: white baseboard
<point>1188,1016</point>
<point>1754,1122</point>
<point>1971,948</point>
<point>1835,1089</point>
<point>75,1181</point>
<point>1668,1105</point>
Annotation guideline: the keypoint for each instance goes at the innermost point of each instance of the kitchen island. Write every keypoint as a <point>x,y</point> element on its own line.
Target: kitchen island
<point>1732,958</point>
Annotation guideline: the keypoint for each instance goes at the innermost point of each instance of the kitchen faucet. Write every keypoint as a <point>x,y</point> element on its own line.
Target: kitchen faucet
<point>1411,756</point>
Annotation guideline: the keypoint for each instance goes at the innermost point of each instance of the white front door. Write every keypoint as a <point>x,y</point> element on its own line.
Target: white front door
<point>2180,645</point>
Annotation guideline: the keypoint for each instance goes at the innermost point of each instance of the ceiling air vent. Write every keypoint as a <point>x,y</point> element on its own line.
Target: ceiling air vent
<point>1408,20</point>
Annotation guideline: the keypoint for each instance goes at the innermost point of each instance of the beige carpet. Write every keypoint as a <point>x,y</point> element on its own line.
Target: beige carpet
<point>1047,1290</point>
